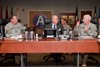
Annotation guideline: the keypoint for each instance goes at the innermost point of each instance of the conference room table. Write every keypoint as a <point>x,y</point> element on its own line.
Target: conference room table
<point>49,45</point>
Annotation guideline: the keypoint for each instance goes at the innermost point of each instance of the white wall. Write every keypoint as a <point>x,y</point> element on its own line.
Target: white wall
<point>58,6</point>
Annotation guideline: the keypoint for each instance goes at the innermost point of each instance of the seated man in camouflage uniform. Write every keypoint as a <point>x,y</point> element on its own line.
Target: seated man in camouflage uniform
<point>13,28</point>
<point>65,25</point>
<point>86,29</point>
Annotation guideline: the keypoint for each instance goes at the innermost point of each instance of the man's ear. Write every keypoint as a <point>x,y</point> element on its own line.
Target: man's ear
<point>82,20</point>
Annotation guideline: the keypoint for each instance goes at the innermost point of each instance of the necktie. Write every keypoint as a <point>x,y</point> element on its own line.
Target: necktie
<point>54,26</point>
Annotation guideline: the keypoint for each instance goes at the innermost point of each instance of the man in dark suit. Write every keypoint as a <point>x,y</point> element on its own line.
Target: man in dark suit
<point>54,24</point>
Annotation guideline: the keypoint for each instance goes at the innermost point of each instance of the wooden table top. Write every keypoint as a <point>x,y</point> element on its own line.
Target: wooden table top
<point>50,46</point>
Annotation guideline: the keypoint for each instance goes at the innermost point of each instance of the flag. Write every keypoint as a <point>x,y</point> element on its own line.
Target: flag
<point>6,12</point>
<point>95,11</point>
<point>99,13</point>
<point>17,13</point>
<point>0,12</point>
<point>76,13</point>
<point>11,11</point>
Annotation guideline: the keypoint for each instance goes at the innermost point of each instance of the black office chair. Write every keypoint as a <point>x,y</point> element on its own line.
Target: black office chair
<point>57,57</point>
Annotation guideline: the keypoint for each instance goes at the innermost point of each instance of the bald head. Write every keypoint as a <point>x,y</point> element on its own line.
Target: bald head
<point>86,19</point>
<point>55,19</point>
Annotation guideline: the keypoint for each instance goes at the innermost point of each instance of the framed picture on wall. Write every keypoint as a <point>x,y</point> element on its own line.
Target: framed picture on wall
<point>36,17</point>
<point>86,12</point>
<point>70,17</point>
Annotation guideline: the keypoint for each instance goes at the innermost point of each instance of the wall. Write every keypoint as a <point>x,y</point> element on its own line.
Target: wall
<point>58,6</point>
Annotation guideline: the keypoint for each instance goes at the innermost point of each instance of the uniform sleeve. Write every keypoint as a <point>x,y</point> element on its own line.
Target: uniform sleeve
<point>7,32</point>
<point>76,28</point>
<point>80,30</point>
<point>23,28</point>
<point>92,31</point>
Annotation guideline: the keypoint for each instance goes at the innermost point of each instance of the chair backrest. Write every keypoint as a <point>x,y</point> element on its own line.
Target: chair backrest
<point>49,20</point>
<point>94,21</point>
<point>3,22</point>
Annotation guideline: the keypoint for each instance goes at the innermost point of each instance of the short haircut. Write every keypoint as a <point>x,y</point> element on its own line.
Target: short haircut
<point>87,16</point>
<point>11,17</point>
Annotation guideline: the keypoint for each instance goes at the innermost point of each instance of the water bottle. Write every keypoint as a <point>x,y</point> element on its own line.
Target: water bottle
<point>65,32</point>
<point>71,35</point>
<point>36,37</point>
<point>98,38</point>
<point>31,34</point>
<point>26,35</point>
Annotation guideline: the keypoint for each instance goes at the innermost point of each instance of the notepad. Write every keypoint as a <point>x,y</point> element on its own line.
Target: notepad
<point>50,36</point>
<point>87,37</point>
